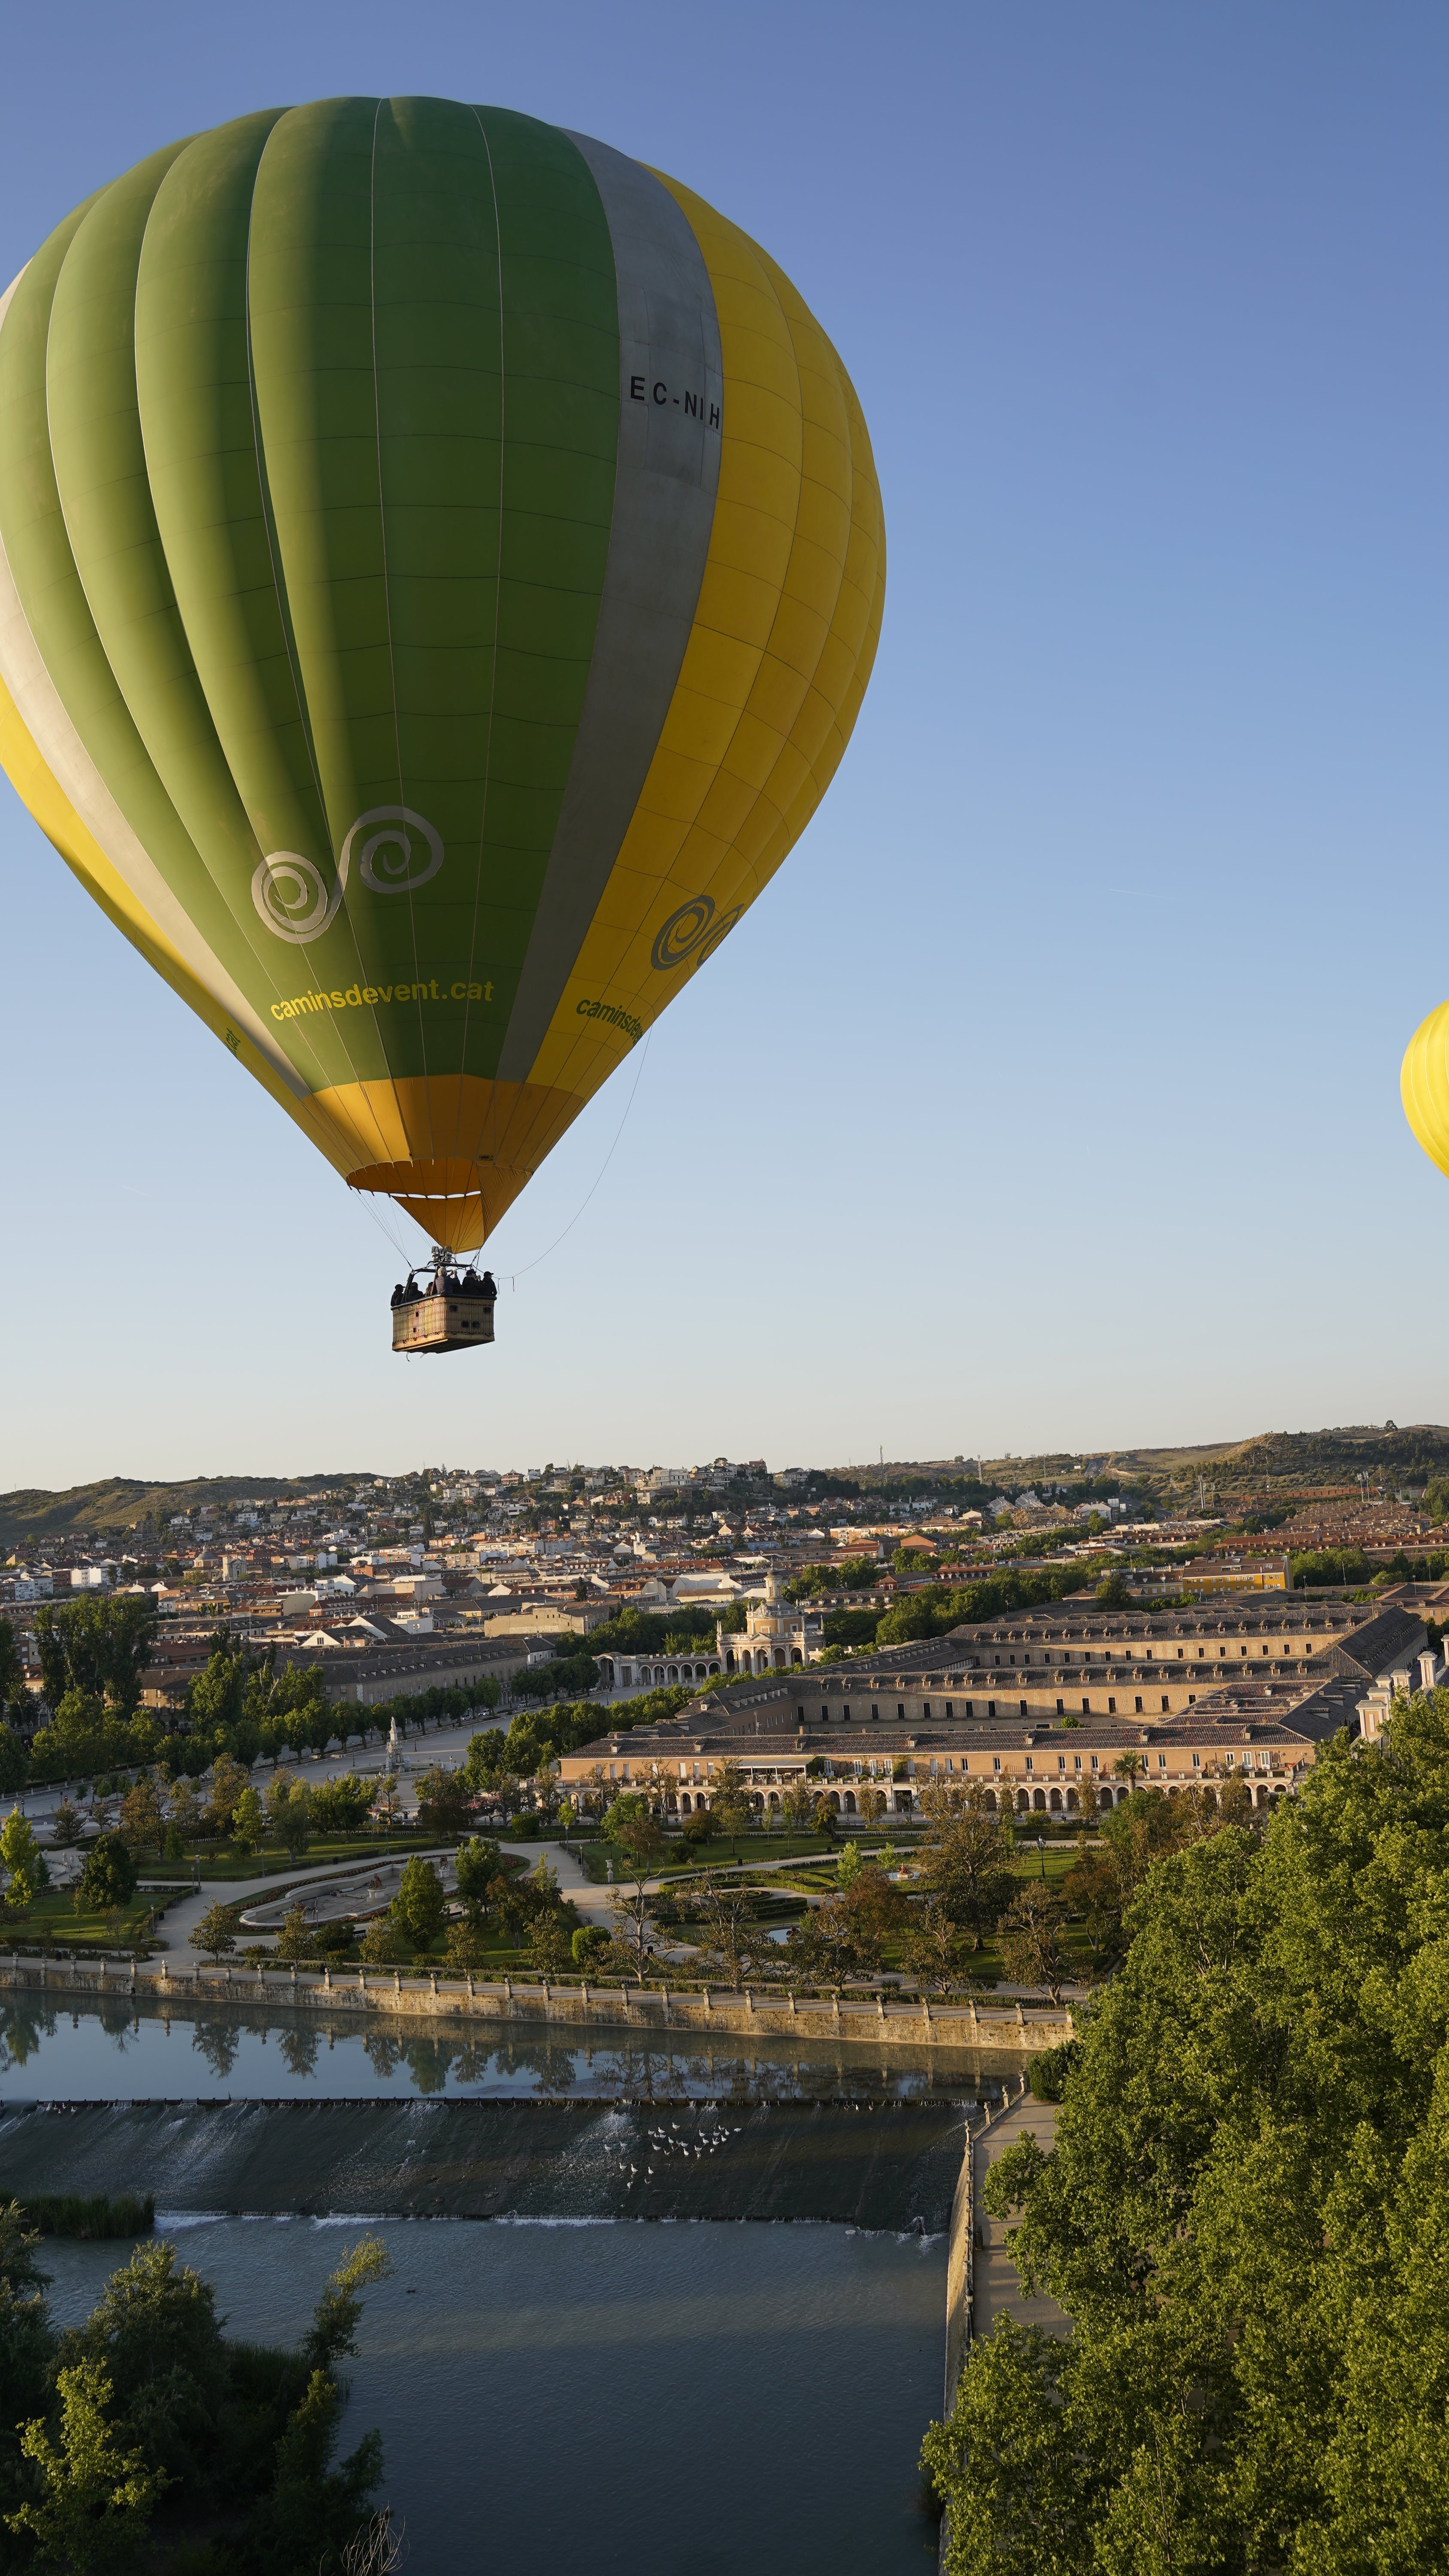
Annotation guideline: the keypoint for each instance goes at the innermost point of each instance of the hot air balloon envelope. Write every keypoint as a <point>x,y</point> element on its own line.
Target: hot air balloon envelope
<point>440,565</point>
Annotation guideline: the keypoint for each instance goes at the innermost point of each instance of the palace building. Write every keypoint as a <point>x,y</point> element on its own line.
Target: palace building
<point>1034,1706</point>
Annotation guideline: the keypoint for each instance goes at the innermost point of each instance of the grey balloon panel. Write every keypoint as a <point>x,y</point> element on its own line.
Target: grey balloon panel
<point>664,496</point>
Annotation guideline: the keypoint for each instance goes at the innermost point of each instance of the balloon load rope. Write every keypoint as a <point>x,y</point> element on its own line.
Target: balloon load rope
<point>513,1276</point>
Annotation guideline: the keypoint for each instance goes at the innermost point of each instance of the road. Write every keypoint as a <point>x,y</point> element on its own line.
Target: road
<point>441,1743</point>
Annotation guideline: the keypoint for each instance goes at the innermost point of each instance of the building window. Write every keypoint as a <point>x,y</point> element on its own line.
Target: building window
<point>1111,1708</point>
<point>1021,1704</point>
<point>1164,1703</point>
<point>1197,1762</point>
<point>996,1762</point>
<point>1086,1708</point>
<point>1028,1762</point>
<point>901,1710</point>
<point>991,1712</point>
<point>971,1708</point>
<point>1079,1761</point>
<point>845,1714</point>
<point>875,1710</point>
<point>1094,1762</point>
<point>1061,1708</point>
<point>1061,1761</point>
<point>926,1711</point>
<point>1137,1704</point>
<point>950,1712</point>
<point>1162,1762</point>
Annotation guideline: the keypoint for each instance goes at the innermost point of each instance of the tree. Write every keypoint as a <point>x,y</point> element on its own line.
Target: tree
<point>313,2512</point>
<point>795,1805</point>
<point>332,2336</point>
<point>589,1940</point>
<point>825,1818</point>
<point>934,1947</point>
<point>444,1798</point>
<point>14,1760</point>
<point>13,1690</point>
<point>214,1935</point>
<point>631,1949</point>
<point>724,1911</point>
<point>247,1825</point>
<point>967,1859</point>
<point>289,1811</point>
<point>466,1950</point>
<point>1113,1592</point>
<point>381,1945</point>
<point>228,1785</point>
<point>1129,1767</point>
<point>154,2331</point>
<point>21,1859</point>
<point>872,1804</point>
<point>1017,2504</point>
<point>141,1827</point>
<point>343,1806</point>
<point>26,2342</point>
<point>1092,1891</point>
<point>1030,1939</point>
<point>825,1947</point>
<point>108,1880</point>
<point>187,1814</point>
<point>633,1828</point>
<point>294,1936</point>
<point>99,1645</point>
<point>730,1801</point>
<point>98,2499</point>
<point>550,1942</point>
<point>420,1905</point>
<point>479,1877</point>
<point>67,1825</point>
<point>873,1909</point>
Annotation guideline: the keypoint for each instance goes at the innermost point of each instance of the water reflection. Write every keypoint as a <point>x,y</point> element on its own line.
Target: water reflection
<point>20,2035</point>
<point>218,2046</point>
<point>118,2051</point>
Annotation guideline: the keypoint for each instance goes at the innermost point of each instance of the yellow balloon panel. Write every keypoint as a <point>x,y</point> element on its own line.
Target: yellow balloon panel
<point>1424,1085</point>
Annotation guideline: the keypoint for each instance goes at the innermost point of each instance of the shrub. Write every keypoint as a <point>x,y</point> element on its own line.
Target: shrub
<point>1048,2071</point>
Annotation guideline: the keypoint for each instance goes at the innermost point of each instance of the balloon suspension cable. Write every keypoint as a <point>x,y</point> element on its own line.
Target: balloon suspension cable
<point>380,1221</point>
<point>513,1276</point>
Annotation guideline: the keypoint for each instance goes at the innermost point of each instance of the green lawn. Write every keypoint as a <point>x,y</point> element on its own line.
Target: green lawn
<point>221,1861</point>
<point>54,1924</point>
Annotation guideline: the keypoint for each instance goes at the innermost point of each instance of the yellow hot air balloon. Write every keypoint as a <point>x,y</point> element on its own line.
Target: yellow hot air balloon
<point>441,562</point>
<point>1424,1085</point>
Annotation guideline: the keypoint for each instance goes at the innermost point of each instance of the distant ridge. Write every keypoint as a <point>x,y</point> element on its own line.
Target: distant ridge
<point>1267,1464</point>
<point>112,1506</point>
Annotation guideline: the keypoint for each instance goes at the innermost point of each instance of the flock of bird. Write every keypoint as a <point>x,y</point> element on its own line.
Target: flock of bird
<point>673,2142</point>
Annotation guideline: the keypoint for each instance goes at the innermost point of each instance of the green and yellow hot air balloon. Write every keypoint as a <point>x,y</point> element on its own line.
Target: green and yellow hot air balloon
<point>441,562</point>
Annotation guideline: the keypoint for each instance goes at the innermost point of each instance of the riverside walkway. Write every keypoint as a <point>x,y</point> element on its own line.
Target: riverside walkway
<point>996,2290</point>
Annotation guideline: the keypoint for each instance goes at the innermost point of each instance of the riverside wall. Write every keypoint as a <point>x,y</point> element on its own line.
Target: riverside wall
<point>964,2029</point>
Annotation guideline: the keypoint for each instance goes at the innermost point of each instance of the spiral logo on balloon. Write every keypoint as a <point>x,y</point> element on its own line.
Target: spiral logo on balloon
<point>692,932</point>
<point>399,851</point>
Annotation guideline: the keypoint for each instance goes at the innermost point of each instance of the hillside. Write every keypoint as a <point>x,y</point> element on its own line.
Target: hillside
<point>115,1505</point>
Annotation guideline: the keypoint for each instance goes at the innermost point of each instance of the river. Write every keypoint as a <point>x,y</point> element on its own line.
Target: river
<point>663,2400</point>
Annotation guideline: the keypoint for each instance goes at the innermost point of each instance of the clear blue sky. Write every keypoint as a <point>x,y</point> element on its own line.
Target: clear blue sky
<point>1050,1095</point>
